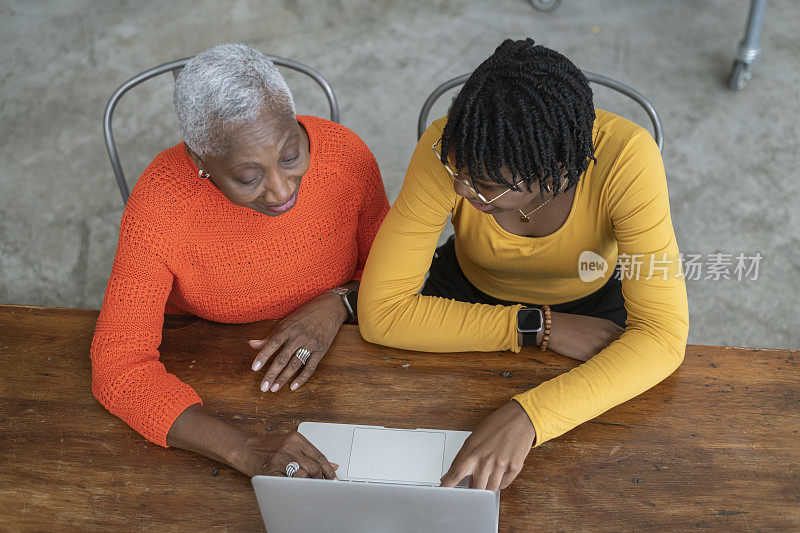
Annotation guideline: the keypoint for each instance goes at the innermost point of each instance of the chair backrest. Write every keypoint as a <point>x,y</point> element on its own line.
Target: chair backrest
<point>658,130</point>
<point>175,67</point>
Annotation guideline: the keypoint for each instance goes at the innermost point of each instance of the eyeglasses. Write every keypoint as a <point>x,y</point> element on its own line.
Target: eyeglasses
<point>467,185</point>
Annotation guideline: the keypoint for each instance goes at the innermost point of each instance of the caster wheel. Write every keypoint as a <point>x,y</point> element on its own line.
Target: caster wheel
<point>545,5</point>
<point>740,75</point>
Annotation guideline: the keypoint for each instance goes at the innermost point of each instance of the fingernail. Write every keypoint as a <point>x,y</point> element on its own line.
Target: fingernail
<point>257,365</point>
<point>254,341</point>
<point>294,386</point>
<point>265,386</point>
<point>275,387</point>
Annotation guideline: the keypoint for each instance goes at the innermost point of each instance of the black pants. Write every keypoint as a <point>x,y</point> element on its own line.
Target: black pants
<point>448,281</point>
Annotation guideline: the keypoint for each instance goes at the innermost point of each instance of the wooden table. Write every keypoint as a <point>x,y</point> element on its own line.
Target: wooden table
<point>713,446</point>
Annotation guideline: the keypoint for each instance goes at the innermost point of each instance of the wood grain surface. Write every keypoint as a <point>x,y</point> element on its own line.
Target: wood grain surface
<point>713,446</point>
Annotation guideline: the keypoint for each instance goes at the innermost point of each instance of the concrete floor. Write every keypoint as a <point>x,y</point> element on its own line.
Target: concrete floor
<point>731,158</point>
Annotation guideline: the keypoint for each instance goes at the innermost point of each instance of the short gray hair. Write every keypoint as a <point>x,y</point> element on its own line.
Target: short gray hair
<point>227,85</point>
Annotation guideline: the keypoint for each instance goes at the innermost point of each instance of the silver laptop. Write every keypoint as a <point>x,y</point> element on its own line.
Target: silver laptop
<point>388,482</point>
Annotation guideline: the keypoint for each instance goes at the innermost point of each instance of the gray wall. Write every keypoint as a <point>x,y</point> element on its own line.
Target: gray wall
<point>731,158</point>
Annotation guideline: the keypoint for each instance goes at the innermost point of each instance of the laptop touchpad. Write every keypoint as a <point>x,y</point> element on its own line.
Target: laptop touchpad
<point>396,455</point>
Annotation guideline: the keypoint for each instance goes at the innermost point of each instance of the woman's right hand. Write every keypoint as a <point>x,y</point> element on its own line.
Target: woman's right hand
<point>202,432</point>
<point>269,454</point>
<point>581,337</point>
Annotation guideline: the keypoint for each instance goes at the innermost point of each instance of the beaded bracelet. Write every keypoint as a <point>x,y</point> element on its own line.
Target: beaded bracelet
<point>547,323</point>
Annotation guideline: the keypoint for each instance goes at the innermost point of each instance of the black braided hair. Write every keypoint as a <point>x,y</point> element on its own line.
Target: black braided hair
<point>527,107</point>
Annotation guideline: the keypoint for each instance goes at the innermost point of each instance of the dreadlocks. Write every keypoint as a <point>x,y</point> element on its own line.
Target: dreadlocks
<point>526,107</point>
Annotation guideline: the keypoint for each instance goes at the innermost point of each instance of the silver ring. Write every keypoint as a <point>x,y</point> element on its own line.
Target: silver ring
<point>292,468</point>
<point>302,354</point>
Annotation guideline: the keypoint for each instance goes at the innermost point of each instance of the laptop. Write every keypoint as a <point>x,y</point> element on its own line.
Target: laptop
<point>388,482</point>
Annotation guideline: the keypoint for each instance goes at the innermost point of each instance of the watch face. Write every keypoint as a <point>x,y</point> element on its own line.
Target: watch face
<point>529,320</point>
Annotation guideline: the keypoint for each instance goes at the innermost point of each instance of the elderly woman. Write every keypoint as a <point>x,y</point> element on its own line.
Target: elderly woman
<point>544,192</point>
<point>258,214</point>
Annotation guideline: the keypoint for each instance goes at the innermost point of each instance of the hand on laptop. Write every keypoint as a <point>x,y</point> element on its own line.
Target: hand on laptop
<point>495,452</point>
<point>312,326</point>
<point>269,455</point>
<point>200,431</point>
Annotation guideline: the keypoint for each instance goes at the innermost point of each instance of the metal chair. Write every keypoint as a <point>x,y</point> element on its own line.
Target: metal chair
<point>749,49</point>
<point>599,79</point>
<point>175,67</point>
<point>545,5</point>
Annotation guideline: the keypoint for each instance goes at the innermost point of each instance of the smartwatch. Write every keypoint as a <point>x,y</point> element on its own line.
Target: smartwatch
<point>529,323</point>
<point>349,299</point>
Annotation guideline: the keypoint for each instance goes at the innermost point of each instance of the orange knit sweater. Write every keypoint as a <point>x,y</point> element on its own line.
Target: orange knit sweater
<point>183,246</point>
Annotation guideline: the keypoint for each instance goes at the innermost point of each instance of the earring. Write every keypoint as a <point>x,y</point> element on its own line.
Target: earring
<point>203,174</point>
<point>549,187</point>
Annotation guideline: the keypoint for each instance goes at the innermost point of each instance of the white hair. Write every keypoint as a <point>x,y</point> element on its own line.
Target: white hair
<point>227,85</point>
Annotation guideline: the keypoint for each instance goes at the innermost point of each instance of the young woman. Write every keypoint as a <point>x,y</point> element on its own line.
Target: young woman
<point>544,190</point>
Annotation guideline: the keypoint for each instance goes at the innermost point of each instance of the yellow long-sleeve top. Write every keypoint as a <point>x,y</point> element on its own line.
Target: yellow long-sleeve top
<point>620,209</point>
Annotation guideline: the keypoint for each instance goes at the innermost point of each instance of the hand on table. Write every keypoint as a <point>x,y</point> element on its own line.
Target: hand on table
<point>495,452</point>
<point>581,337</point>
<point>269,455</point>
<point>312,326</point>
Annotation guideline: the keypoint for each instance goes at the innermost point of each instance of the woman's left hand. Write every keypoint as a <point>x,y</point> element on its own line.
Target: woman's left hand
<point>312,326</point>
<point>495,452</point>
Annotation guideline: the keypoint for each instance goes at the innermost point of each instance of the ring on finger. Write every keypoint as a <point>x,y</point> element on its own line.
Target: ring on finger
<point>303,354</point>
<point>292,468</point>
